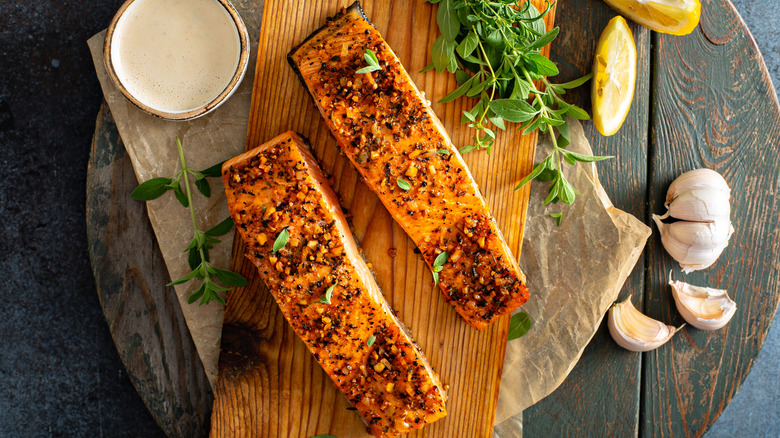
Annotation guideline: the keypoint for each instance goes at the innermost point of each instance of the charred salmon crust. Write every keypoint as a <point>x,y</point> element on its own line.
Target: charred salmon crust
<point>324,288</point>
<point>398,145</point>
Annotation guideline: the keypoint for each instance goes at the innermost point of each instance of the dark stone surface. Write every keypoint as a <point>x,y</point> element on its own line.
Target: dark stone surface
<point>60,374</point>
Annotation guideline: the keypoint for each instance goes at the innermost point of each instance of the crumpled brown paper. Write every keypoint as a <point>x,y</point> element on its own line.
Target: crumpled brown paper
<point>151,145</point>
<point>574,273</point>
<point>566,304</point>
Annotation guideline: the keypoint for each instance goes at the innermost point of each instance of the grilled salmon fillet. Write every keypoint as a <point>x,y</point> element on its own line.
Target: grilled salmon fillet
<point>324,287</point>
<point>387,129</point>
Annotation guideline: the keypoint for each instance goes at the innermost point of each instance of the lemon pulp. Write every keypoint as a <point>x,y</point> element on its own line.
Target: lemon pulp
<point>614,76</point>
<point>676,17</point>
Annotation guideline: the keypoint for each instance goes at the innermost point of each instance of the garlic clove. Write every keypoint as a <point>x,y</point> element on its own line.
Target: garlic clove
<point>695,245</point>
<point>702,307</point>
<point>697,178</point>
<point>635,331</point>
<point>700,204</point>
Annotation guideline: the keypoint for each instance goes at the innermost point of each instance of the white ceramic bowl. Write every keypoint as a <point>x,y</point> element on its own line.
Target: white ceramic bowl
<point>208,104</point>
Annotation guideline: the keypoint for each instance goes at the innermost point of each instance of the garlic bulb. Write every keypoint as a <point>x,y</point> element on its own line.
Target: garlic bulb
<point>696,245</point>
<point>635,331</point>
<point>702,307</point>
<point>700,200</point>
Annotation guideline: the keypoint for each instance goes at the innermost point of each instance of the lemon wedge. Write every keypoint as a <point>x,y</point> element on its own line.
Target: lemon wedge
<point>614,76</point>
<point>677,17</point>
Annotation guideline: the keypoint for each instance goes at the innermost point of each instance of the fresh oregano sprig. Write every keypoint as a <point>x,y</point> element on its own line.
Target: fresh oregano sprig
<point>371,60</point>
<point>494,49</point>
<point>325,299</point>
<point>438,265</point>
<point>202,241</point>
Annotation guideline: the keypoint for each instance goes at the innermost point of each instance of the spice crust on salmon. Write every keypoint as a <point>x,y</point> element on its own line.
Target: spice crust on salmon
<point>296,234</point>
<point>398,145</point>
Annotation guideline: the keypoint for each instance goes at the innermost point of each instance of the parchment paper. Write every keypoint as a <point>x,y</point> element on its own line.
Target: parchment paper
<point>151,145</point>
<point>574,273</point>
<point>566,304</point>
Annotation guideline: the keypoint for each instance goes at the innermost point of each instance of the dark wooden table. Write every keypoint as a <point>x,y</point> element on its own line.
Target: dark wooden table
<point>703,100</point>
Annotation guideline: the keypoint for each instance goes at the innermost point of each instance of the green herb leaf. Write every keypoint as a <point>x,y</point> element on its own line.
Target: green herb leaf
<point>441,259</point>
<point>371,340</point>
<point>443,152</point>
<point>460,91</point>
<point>442,51</point>
<point>371,60</point>
<point>221,228</point>
<point>281,240</point>
<point>519,325</point>
<point>193,258</point>
<point>435,278</point>
<point>537,170</point>
<point>467,46</point>
<point>557,216</point>
<point>325,299</point>
<point>180,196</point>
<point>151,189</point>
<point>404,184</point>
<point>586,158</point>
<point>368,69</point>
<point>203,187</point>
<point>577,82</point>
<point>545,39</point>
<point>197,294</point>
<point>540,64</point>
<point>577,113</point>
<point>184,279</point>
<point>428,67</point>
<point>466,149</point>
<point>230,278</point>
<point>447,19</point>
<point>513,110</point>
<point>213,171</point>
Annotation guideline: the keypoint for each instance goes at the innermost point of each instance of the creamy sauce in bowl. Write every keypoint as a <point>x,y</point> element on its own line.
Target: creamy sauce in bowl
<point>175,56</point>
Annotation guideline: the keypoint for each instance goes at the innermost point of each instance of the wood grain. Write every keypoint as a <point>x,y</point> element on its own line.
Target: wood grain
<point>714,107</point>
<point>143,315</point>
<point>606,377</point>
<point>259,379</point>
<point>719,75</point>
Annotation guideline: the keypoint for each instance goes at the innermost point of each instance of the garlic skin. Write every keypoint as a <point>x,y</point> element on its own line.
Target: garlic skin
<point>702,307</point>
<point>699,199</point>
<point>635,331</point>
<point>695,245</point>
<point>694,179</point>
<point>700,204</point>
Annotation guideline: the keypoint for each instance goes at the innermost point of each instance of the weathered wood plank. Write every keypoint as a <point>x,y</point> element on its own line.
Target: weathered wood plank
<point>601,395</point>
<point>142,314</point>
<point>468,361</point>
<point>713,107</point>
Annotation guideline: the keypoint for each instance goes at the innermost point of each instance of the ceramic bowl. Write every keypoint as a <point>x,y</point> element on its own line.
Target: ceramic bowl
<point>189,114</point>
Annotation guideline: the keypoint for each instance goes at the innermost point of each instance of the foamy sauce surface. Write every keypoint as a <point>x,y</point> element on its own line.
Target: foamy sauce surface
<point>175,55</point>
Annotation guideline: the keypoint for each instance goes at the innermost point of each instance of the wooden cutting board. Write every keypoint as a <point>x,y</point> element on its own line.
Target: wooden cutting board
<point>269,385</point>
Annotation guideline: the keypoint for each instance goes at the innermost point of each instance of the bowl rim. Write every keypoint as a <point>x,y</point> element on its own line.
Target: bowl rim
<point>238,76</point>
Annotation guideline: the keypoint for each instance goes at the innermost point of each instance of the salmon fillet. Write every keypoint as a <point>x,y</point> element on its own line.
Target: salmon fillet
<point>387,129</point>
<point>278,188</point>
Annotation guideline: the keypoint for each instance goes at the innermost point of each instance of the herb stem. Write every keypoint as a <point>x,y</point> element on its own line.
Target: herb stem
<point>188,192</point>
